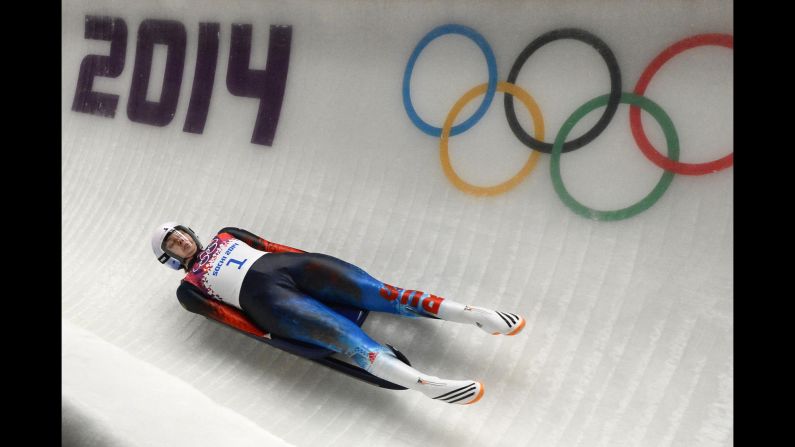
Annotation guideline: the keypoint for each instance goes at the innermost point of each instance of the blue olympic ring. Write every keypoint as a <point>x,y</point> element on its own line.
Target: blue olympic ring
<point>491,62</point>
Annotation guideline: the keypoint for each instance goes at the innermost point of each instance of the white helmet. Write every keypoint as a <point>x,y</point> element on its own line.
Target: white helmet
<point>158,244</point>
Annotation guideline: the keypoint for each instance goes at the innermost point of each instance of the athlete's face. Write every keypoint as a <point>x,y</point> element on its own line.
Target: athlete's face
<point>181,244</point>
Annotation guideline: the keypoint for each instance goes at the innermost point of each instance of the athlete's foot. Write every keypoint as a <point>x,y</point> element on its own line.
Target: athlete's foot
<point>462,392</point>
<point>496,322</point>
<point>388,367</point>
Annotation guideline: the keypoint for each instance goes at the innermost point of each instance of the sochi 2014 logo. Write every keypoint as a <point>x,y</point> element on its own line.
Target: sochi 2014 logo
<point>669,163</point>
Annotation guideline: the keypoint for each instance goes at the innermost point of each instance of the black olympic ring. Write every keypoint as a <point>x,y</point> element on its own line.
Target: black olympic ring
<point>612,102</point>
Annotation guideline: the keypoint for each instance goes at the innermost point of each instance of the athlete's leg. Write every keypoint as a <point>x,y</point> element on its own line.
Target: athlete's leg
<point>286,311</point>
<point>334,280</point>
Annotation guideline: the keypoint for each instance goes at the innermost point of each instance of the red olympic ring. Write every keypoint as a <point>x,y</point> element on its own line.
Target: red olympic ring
<point>723,40</point>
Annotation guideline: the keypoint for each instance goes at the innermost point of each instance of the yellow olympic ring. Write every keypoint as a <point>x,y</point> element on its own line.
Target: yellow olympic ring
<point>538,123</point>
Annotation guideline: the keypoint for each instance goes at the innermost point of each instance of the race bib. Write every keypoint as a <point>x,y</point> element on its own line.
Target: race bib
<point>221,267</point>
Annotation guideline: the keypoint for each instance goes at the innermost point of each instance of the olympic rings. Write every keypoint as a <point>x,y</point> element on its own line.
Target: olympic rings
<point>538,121</point>
<point>724,40</point>
<point>635,100</point>
<point>671,139</point>
<point>491,63</point>
<point>612,104</point>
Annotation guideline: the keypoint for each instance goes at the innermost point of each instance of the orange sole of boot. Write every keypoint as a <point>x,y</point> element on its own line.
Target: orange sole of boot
<point>480,394</point>
<point>518,329</point>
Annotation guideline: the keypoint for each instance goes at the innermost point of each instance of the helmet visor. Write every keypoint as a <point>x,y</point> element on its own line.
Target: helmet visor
<point>179,245</point>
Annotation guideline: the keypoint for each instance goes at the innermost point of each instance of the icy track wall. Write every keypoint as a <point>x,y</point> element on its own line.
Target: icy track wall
<point>316,124</point>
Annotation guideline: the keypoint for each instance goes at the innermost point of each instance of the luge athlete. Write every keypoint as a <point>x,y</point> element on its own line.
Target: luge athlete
<point>286,291</point>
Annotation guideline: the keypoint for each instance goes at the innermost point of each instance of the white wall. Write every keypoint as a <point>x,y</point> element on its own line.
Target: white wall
<point>629,337</point>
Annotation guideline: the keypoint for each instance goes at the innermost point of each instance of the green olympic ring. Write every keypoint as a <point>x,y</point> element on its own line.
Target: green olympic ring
<point>671,138</point>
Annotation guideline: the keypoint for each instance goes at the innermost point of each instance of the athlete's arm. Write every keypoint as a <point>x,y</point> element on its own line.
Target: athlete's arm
<point>259,243</point>
<point>191,298</point>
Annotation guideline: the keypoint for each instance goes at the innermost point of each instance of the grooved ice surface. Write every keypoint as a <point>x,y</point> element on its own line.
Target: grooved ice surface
<point>629,324</point>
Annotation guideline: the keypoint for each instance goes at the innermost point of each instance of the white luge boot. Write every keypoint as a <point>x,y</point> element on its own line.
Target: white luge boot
<point>462,392</point>
<point>492,321</point>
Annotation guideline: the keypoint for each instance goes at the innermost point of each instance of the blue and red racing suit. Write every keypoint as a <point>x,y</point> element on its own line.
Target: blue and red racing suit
<point>241,278</point>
